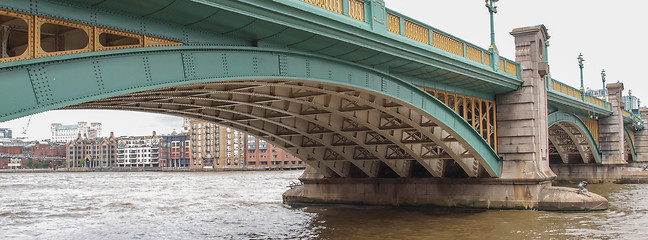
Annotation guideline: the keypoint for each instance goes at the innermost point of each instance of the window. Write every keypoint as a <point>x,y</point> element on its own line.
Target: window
<point>114,40</point>
<point>56,38</point>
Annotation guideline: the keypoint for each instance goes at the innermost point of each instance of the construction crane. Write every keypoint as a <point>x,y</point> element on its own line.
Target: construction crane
<point>24,132</point>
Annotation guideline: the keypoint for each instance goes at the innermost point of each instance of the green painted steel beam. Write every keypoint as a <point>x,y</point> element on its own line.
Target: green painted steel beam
<point>289,24</point>
<point>632,145</point>
<point>55,82</point>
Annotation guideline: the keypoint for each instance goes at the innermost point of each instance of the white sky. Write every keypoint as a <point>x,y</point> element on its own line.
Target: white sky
<point>609,34</point>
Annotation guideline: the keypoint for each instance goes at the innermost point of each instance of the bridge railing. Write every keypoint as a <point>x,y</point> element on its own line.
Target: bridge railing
<point>631,115</point>
<point>402,25</point>
<point>407,27</point>
<point>565,89</point>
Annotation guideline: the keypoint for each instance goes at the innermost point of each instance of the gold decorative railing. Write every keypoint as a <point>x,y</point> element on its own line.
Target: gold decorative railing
<point>480,113</point>
<point>565,89</point>
<point>407,27</point>
<point>331,5</point>
<point>634,117</point>
<point>417,32</point>
<point>35,36</point>
<point>445,42</point>
<point>356,10</point>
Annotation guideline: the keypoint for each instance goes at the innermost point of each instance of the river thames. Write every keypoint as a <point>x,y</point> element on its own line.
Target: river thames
<point>247,205</point>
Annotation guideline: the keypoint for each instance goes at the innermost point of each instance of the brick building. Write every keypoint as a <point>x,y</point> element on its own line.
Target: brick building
<point>264,155</point>
<point>204,143</point>
<point>91,152</point>
<point>175,151</point>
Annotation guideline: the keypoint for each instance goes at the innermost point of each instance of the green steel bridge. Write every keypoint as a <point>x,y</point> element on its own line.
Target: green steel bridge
<point>353,88</point>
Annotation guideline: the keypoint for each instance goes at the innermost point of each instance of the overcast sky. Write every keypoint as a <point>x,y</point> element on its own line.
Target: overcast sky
<point>609,34</point>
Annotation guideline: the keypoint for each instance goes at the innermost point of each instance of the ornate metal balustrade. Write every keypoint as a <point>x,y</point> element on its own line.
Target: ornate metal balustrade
<point>354,8</point>
<point>479,113</point>
<point>24,36</point>
<point>565,89</point>
<point>410,28</point>
<point>631,115</point>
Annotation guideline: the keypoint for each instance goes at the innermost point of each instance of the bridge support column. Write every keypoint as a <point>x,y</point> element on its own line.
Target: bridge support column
<point>641,140</point>
<point>611,129</point>
<point>522,118</point>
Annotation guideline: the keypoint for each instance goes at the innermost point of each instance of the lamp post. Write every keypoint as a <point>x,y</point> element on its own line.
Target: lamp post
<point>639,107</point>
<point>604,89</point>
<point>630,100</point>
<point>580,64</point>
<point>492,9</point>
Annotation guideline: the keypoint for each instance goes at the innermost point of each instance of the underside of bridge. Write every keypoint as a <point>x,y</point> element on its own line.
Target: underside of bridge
<point>341,131</point>
<point>572,140</point>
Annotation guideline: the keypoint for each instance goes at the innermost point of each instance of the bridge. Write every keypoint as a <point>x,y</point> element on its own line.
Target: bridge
<point>383,108</point>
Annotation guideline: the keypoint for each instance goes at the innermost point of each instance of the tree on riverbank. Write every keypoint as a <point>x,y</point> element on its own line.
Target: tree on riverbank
<point>38,164</point>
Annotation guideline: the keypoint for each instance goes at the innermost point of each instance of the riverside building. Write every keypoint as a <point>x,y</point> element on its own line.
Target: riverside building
<point>175,151</point>
<point>139,151</point>
<point>260,154</point>
<point>216,146</point>
<point>91,153</point>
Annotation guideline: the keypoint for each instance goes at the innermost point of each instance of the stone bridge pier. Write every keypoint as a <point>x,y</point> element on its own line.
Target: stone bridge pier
<point>525,179</point>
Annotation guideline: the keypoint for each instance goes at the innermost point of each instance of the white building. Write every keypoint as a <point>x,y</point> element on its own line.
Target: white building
<point>631,102</point>
<point>139,151</point>
<point>66,133</point>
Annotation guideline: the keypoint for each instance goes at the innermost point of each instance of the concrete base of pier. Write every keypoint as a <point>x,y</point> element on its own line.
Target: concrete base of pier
<point>464,193</point>
<point>598,173</point>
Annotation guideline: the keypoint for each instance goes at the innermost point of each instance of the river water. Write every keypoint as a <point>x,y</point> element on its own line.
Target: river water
<point>247,205</point>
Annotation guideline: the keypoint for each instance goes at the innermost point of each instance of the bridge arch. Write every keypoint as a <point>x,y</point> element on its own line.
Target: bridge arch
<point>343,119</point>
<point>630,150</point>
<point>570,136</point>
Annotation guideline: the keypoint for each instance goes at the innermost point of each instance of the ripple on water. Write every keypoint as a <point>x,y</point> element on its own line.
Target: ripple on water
<point>247,205</point>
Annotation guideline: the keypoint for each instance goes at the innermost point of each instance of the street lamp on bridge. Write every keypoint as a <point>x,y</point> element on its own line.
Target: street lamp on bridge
<point>580,64</point>
<point>492,9</point>
<point>604,89</point>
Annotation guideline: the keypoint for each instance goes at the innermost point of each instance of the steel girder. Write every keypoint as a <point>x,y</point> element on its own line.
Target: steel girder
<point>569,135</point>
<point>305,103</point>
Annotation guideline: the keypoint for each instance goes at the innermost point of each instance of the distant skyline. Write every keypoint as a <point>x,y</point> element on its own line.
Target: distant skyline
<point>605,32</point>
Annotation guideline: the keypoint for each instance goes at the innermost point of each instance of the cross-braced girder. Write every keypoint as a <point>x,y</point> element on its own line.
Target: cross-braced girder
<point>331,127</point>
<point>571,143</point>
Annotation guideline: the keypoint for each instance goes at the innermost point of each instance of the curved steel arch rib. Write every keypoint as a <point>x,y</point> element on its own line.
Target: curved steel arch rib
<point>629,145</point>
<point>328,111</point>
<point>569,135</point>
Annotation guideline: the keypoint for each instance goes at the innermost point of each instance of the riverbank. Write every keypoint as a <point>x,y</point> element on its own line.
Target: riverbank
<point>220,169</point>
